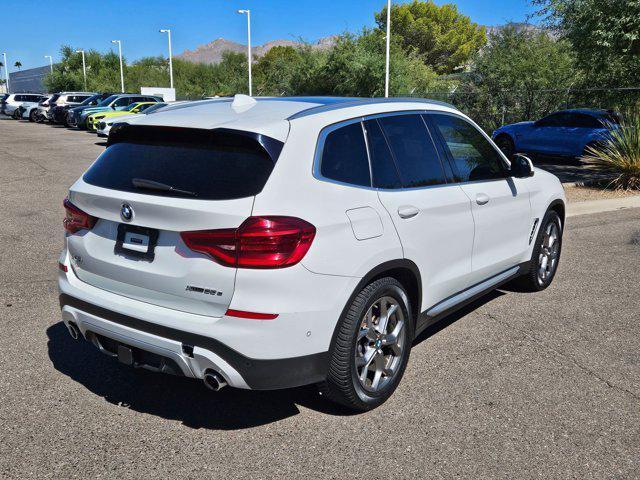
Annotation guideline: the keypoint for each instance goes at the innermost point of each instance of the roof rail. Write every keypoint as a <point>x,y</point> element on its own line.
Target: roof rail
<point>364,101</point>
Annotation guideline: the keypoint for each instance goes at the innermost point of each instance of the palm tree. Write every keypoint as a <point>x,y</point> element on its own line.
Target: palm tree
<point>18,65</point>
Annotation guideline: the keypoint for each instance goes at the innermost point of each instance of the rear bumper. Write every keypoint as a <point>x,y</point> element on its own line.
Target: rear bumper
<point>202,353</point>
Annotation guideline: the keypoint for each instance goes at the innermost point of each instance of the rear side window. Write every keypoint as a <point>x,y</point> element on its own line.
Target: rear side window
<point>473,156</point>
<point>222,168</point>
<point>413,149</point>
<point>344,156</point>
<point>580,120</point>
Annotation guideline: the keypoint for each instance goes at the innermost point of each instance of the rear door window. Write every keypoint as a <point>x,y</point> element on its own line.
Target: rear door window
<point>383,167</point>
<point>413,150</point>
<point>344,156</point>
<point>474,158</point>
<point>209,165</point>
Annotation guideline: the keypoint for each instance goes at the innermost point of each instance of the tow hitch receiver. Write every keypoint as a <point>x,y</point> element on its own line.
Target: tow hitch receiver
<point>125,355</point>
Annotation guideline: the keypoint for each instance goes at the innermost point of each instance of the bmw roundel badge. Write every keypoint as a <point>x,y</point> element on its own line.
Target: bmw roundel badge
<point>126,212</point>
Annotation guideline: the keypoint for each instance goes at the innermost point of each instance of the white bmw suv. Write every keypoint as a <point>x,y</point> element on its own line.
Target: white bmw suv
<point>275,242</point>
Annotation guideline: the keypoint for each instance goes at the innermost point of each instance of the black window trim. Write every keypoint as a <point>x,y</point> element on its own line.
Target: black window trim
<point>506,164</point>
<point>317,160</point>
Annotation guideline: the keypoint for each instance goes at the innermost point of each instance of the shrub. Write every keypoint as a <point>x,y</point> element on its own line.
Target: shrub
<point>620,154</point>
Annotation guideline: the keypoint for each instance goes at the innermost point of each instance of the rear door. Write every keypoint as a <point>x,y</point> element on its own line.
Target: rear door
<point>135,248</point>
<point>500,204</point>
<point>433,217</point>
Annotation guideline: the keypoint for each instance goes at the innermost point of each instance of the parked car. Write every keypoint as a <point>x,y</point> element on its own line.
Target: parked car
<point>14,101</point>
<point>273,243</point>
<point>66,100</point>
<point>112,103</point>
<point>138,107</point>
<point>44,106</point>
<point>561,134</point>
<point>63,115</point>
<point>103,126</point>
<point>31,111</point>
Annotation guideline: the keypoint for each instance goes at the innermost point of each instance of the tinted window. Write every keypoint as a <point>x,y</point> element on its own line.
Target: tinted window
<point>413,150</point>
<point>553,120</point>
<point>107,101</point>
<point>212,172</point>
<point>344,156</point>
<point>473,156</point>
<point>383,168</point>
<point>580,120</point>
<point>121,102</point>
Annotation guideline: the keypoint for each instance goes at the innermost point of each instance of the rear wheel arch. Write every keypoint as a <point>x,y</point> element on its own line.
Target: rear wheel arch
<point>404,271</point>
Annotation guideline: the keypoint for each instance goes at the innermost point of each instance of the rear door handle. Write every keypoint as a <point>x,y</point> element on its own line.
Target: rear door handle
<point>407,211</point>
<point>482,198</point>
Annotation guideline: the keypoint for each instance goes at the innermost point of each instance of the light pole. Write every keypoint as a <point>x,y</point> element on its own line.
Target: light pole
<point>84,69</point>
<point>50,61</point>
<point>6,70</point>
<point>248,12</point>
<point>386,72</point>
<point>168,32</point>
<point>121,68</point>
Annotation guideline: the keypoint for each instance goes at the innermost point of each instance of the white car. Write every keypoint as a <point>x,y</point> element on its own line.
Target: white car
<point>11,105</point>
<point>103,126</point>
<point>272,243</point>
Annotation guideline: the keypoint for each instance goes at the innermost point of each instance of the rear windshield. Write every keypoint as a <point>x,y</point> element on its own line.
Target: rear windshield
<point>235,167</point>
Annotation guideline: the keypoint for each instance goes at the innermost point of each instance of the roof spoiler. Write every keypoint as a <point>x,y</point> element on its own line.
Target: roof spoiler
<point>160,135</point>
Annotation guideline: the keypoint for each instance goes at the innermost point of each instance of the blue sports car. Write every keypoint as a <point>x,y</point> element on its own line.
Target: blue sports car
<point>561,134</point>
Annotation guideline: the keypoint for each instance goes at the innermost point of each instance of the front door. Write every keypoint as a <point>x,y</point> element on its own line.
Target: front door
<point>500,203</point>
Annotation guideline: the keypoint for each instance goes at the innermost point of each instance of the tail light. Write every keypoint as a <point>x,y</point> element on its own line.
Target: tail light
<point>260,242</point>
<point>76,219</point>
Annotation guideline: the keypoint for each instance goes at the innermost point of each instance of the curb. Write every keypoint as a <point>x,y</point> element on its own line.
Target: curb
<point>598,206</point>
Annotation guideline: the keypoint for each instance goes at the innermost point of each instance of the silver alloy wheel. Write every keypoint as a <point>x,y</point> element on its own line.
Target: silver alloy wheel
<point>549,250</point>
<point>380,344</point>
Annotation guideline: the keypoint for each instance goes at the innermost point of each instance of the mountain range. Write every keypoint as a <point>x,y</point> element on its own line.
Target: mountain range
<point>212,52</point>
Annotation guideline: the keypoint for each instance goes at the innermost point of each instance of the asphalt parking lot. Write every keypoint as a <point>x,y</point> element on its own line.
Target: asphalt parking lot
<point>516,386</point>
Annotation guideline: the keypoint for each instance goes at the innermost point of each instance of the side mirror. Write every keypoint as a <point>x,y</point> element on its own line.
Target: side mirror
<point>521,166</point>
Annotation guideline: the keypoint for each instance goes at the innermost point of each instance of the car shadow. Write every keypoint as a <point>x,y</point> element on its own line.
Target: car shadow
<point>187,400</point>
<point>101,144</point>
<point>176,398</point>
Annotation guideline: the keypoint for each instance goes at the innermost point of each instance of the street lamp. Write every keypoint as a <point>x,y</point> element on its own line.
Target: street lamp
<point>386,72</point>
<point>50,61</point>
<point>6,70</point>
<point>168,32</point>
<point>248,12</point>
<point>121,68</point>
<point>84,69</point>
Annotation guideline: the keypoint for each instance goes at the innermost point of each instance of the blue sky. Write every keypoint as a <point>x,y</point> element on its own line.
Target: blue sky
<point>34,28</point>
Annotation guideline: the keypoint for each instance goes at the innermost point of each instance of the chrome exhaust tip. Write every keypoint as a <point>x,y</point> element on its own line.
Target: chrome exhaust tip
<point>214,381</point>
<point>73,330</point>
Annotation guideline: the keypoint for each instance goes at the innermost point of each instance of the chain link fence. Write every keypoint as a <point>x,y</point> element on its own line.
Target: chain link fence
<point>493,109</point>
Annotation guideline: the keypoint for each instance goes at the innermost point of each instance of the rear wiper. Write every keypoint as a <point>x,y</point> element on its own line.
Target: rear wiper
<point>162,187</point>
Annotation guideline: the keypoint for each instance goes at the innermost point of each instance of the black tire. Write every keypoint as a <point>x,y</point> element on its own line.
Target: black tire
<point>16,114</point>
<point>343,385</point>
<point>531,281</point>
<point>505,143</point>
<point>33,114</point>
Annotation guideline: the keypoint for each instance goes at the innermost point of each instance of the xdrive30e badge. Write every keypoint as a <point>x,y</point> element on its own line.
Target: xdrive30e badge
<point>126,212</point>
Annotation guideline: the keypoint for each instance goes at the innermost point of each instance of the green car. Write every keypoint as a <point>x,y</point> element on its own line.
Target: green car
<point>138,107</point>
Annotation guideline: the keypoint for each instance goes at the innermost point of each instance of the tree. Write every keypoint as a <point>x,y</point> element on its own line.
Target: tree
<point>18,65</point>
<point>274,72</point>
<point>355,66</point>
<point>520,75</point>
<point>444,38</point>
<point>605,35</point>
